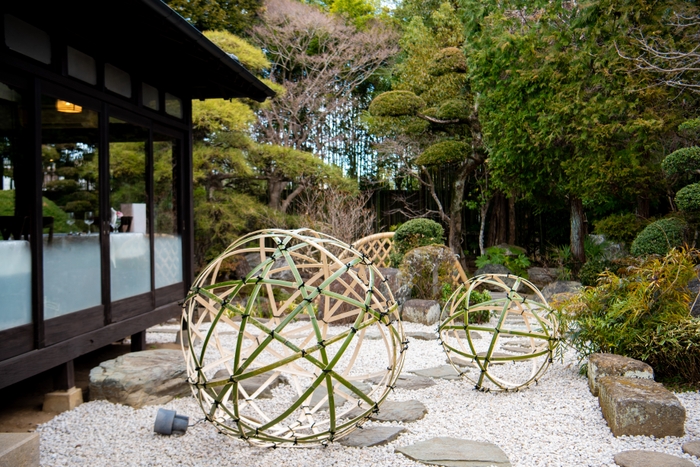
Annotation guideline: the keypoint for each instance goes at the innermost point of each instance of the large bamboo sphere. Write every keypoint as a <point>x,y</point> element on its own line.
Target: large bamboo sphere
<point>276,352</point>
<point>510,351</point>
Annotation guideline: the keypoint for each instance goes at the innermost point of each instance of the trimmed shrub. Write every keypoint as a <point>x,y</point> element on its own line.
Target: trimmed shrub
<point>659,237</point>
<point>642,312</point>
<point>396,104</point>
<point>682,161</point>
<point>688,198</point>
<point>454,109</point>
<point>449,59</point>
<point>444,152</point>
<point>415,233</point>
<point>620,227</point>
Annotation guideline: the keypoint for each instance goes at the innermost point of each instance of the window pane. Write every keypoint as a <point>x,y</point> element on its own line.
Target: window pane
<point>15,266</point>
<point>167,242</point>
<point>72,274</point>
<point>130,258</point>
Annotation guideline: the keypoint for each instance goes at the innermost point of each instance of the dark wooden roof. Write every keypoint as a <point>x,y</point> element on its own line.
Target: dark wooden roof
<point>145,37</point>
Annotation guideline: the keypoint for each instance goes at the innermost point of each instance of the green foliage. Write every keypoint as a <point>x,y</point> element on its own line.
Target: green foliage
<point>476,297</point>
<point>417,232</point>
<point>235,16</point>
<point>454,109</point>
<point>517,264</point>
<point>248,55</point>
<point>682,162</point>
<point>621,227</point>
<point>659,237</point>
<point>444,152</point>
<point>688,198</point>
<point>449,59</point>
<point>7,202</point>
<point>643,313</point>
<point>396,104</point>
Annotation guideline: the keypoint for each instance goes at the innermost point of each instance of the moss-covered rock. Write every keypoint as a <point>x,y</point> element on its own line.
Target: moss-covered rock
<point>396,104</point>
<point>444,152</point>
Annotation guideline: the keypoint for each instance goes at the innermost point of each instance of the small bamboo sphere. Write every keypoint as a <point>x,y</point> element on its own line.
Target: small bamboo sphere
<point>514,346</point>
<point>275,328</point>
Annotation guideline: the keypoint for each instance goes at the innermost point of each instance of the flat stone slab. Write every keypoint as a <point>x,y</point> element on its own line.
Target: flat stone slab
<point>453,452</point>
<point>372,436</point>
<point>251,385</point>
<point>396,411</point>
<point>19,449</point>
<point>692,448</point>
<point>410,382</point>
<point>441,372</point>
<point>422,336</point>
<point>606,364</point>
<point>339,400</point>
<point>650,459</point>
<point>150,377</point>
<point>640,407</point>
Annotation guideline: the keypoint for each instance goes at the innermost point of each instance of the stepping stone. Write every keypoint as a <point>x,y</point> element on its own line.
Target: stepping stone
<point>463,335</point>
<point>606,364</point>
<point>442,372</point>
<point>634,407</point>
<point>250,385</point>
<point>423,336</point>
<point>692,448</point>
<point>149,377</point>
<point>461,361</point>
<point>321,392</point>
<point>409,382</point>
<point>455,452</point>
<point>372,436</point>
<point>516,349</point>
<point>395,411</point>
<point>650,459</point>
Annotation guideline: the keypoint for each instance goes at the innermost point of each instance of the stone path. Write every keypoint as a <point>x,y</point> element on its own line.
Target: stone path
<point>454,452</point>
<point>692,448</point>
<point>371,436</point>
<point>440,372</point>
<point>409,382</point>
<point>650,459</point>
<point>396,411</point>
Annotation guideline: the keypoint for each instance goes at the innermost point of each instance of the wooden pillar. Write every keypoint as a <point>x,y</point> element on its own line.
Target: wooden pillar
<point>138,341</point>
<point>64,376</point>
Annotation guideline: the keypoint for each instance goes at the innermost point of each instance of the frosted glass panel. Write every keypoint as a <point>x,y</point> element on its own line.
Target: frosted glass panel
<point>71,274</point>
<point>15,283</point>
<point>168,249</point>
<point>130,263</point>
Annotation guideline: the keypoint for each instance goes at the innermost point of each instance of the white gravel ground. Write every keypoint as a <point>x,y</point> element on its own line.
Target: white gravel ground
<point>555,423</point>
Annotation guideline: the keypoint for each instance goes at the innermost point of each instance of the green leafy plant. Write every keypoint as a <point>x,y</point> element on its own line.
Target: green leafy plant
<point>621,227</point>
<point>517,264</point>
<point>415,233</point>
<point>640,311</point>
<point>476,297</point>
<point>659,237</point>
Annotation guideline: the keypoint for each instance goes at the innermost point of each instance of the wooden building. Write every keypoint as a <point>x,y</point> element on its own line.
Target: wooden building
<point>96,210</point>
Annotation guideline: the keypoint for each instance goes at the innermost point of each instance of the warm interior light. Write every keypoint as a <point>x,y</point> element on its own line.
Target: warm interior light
<point>68,107</point>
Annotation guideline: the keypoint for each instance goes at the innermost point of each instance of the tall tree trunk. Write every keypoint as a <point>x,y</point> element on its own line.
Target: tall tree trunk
<point>511,220</point>
<point>497,221</point>
<point>578,230</point>
<point>643,208</point>
<point>274,193</point>
<point>482,225</point>
<point>455,234</point>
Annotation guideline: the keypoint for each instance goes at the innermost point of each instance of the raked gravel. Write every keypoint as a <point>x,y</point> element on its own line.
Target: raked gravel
<point>555,423</point>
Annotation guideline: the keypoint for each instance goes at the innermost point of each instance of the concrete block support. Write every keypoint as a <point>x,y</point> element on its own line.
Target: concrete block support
<point>62,401</point>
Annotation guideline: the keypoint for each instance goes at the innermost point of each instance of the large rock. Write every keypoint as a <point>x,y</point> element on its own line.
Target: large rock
<point>421,311</point>
<point>396,282</point>
<point>637,407</point>
<point>542,277</point>
<point>455,452</point>
<point>560,291</point>
<point>150,377</point>
<point>607,364</point>
<point>650,459</point>
<point>429,268</point>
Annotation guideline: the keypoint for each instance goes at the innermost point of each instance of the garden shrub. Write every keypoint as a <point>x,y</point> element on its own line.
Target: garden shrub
<point>688,198</point>
<point>620,227</point>
<point>682,161</point>
<point>415,233</point>
<point>454,109</point>
<point>444,152</point>
<point>396,104</point>
<point>496,255</point>
<point>477,296</point>
<point>642,312</point>
<point>448,60</point>
<point>659,237</point>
